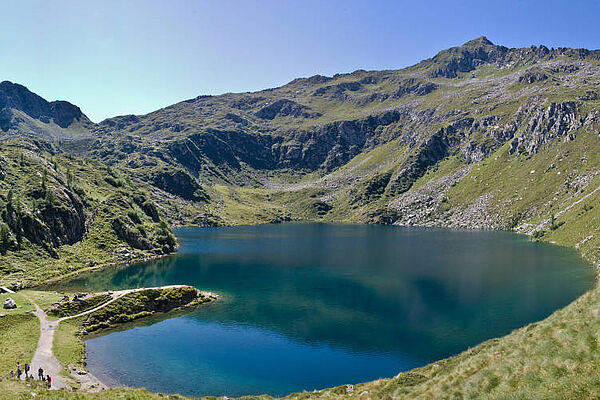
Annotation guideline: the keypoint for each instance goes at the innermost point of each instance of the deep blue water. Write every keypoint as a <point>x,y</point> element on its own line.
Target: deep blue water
<point>308,306</point>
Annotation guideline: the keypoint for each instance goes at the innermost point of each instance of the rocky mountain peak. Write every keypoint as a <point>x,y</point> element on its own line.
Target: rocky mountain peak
<point>17,97</point>
<point>13,95</point>
<point>480,41</point>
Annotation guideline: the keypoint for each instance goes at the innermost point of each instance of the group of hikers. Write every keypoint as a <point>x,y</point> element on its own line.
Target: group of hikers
<point>27,368</point>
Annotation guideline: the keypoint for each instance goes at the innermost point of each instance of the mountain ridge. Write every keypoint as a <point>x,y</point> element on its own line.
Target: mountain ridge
<point>358,147</point>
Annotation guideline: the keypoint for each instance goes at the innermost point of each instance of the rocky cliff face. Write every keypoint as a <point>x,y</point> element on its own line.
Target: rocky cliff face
<point>543,124</point>
<point>18,106</point>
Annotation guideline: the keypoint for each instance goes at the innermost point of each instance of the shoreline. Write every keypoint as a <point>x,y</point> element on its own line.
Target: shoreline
<point>593,282</point>
<point>162,300</point>
<point>103,386</point>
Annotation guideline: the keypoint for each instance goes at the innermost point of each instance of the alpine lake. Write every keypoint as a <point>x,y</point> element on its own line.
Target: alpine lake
<point>309,306</point>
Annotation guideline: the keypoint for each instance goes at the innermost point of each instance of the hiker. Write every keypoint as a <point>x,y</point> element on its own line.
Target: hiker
<point>49,380</point>
<point>18,371</point>
<point>27,368</point>
<point>41,374</point>
<point>11,373</point>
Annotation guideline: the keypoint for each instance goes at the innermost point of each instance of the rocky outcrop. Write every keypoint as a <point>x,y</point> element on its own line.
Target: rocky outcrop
<point>543,125</point>
<point>338,91</point>
<point>65,217</point>
<point>462,59</point>
<point>9,304</point>
<point>64,113</point>
<point>177,182</point>
<point>17,97</point>
<point>532,76</point>
<point>427,205</point>
<point>59,219</point>
<point>449,63</point>
<point>321,207</point>
<point>236,118</point>
<point>440,145</point>
<point>131,234</point>
<point>334,144</point>
<point>382,216</point>
<point>413,86</point>
<point>285,108</point>
<point>371,190</point>
<point>327,147</point>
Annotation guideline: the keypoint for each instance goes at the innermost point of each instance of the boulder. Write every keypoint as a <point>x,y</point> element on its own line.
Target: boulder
<point>9,304</point>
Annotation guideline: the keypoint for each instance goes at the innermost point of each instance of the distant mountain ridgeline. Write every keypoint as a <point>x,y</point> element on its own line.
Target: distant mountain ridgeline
<point>479,136</point>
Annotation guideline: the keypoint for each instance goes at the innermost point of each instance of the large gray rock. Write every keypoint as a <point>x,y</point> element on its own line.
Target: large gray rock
<point>9,303</point>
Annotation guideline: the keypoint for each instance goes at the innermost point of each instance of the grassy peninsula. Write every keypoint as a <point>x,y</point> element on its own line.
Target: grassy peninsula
<point>72,322</point>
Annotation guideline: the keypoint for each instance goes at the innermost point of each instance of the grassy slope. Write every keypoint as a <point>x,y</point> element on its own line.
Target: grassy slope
<point>19,334</point>
<point>20,329</point>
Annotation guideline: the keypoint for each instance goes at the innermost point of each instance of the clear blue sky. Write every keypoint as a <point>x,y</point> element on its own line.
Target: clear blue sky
<point>122,57</point>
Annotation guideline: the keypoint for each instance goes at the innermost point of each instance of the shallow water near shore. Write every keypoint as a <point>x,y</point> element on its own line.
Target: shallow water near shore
<point>309,306</point>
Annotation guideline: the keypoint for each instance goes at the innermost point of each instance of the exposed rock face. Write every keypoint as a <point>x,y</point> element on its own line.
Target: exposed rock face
<point>9,304</point>
<point>426,205</point>
<point>131,235</point>
<point>443,143</point>
<point>334,144</point>
<point>18,97</point>
<point>65,113</point>
<point>66,218</point>
<point>60,219</point>
<point>415,87</point>
<point>326,147</point>
<point>450,63</point>
<point>533,76</point>
<point>284,108</point>
<point>338,91</point>
<point>466,58</point>
<point>179,183</point>
<point>544,125</point>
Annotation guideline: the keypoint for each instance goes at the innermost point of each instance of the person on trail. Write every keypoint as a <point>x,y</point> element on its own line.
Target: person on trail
<point>49,380</point>
<point>41,374</point>
<point>18,371</point>
<point>11,373</point>
<point>27,368</point>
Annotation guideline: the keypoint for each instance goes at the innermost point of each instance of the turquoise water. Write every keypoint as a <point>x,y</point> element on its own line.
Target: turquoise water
<point>308,306</point>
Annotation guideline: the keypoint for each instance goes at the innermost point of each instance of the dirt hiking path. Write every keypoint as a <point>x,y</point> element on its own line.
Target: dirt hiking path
<point>44,356</point>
